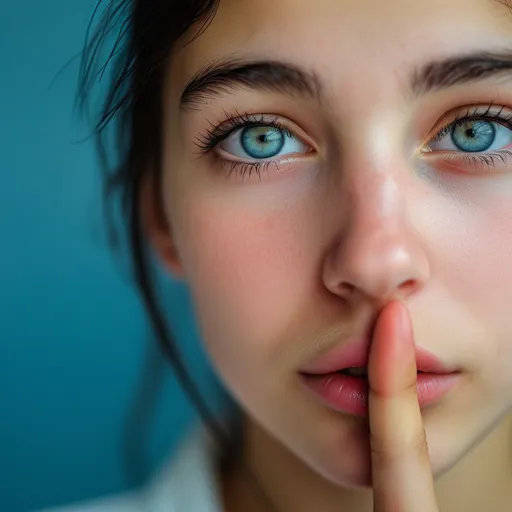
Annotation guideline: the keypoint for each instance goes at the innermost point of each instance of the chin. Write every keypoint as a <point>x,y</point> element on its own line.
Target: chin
<point>344,458</point>
<point>352,471</point>
<point>350,477</point>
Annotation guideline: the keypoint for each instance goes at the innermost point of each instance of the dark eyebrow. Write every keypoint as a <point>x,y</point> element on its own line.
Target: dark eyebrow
<point>288,79</point>
<point>459,70</point>
<point>269,76</point>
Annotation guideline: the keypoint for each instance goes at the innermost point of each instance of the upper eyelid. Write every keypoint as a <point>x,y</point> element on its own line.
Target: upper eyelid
<point>240,121</point>
<point>475,111</point>
<point>241,126</point>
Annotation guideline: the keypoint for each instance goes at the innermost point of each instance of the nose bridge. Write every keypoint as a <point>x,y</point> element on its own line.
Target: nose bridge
<point>377,203</point>
<point>378,254</point>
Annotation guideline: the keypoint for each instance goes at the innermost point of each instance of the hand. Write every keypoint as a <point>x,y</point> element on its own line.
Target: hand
<point>401,472</point>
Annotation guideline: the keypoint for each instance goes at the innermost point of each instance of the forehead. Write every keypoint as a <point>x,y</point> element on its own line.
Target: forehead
<point>332,36</point>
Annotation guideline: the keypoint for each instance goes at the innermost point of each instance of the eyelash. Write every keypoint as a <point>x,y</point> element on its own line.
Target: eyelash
<point>475,116</point>
<point>214,136</point>
<point>487,159</point>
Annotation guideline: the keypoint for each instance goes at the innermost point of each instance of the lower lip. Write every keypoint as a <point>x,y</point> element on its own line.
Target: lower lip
<point>350,394</point>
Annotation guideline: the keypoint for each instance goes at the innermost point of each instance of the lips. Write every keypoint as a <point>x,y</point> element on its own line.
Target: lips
<point>355,353</point>
<point>339,380</point>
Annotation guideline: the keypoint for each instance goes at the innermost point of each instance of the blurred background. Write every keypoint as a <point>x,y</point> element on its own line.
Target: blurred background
<point>87,405</point>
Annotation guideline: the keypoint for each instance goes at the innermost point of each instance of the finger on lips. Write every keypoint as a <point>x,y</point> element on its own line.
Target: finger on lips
<point>401,472</point>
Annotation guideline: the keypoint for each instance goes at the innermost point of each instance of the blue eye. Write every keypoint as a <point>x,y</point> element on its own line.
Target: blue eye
<point>470,135</point>
<point>262,142</point>
<point>474,136</point>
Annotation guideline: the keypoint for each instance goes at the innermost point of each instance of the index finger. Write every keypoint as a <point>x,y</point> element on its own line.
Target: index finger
<point>401,473</point>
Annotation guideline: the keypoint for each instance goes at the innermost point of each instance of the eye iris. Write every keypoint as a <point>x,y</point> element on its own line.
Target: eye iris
<point>262,141</point>
<point>474,136</point>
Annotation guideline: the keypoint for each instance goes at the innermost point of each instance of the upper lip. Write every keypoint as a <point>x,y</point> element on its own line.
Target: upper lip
<point>354,354</point>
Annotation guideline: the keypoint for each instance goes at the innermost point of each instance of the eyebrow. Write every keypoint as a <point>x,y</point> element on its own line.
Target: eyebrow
<point>289,79</point>
<point>460,70</point>
<point>271,76</point>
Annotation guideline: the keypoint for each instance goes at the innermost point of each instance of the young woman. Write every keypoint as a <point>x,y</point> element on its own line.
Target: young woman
<point>333,180</point>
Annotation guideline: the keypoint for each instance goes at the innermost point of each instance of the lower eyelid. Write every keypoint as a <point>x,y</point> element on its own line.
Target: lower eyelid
<point>285,161</point>
<point>499,160</point>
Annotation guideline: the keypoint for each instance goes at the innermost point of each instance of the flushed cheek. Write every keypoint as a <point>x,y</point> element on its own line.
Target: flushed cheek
<point>478,273</point>
<point>472,245</point>
<point>247,271</point>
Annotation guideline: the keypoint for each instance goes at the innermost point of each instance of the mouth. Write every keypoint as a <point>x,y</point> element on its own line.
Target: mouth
<point>339,379</point>
<point>355,372</point>
<point>362,372</point>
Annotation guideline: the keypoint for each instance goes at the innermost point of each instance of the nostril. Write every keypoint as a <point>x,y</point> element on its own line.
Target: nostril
<point>347,287</point>
<point>408,286</point>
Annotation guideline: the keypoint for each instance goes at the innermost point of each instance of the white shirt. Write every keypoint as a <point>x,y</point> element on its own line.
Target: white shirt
<point>187,483</point>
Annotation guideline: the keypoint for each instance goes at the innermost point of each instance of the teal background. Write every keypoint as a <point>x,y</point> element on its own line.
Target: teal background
<point>87,405</point>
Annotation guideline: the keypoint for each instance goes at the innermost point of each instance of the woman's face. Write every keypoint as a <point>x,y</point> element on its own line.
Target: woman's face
<point>360,188</point>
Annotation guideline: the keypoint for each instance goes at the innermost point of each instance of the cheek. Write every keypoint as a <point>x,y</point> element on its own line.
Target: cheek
<point>487,261</point>
<point>478,275</point>
<point>247,271</point>
<point>470,241</point>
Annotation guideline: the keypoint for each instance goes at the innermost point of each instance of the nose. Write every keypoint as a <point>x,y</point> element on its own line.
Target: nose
<point>378,256</point>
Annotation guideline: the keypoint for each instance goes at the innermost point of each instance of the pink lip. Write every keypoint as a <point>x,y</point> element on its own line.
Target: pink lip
<point>350,394</point>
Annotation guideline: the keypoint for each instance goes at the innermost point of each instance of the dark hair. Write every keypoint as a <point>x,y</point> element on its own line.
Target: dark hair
<point>144,33</point>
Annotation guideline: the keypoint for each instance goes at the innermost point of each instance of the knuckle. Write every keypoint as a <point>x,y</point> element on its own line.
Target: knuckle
<point>378,445</point>
<point>388,452</point>
<point>419,442</point>
<point>410,386</point>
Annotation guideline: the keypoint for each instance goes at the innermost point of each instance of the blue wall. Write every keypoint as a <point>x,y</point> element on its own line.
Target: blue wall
<point>74,343</point>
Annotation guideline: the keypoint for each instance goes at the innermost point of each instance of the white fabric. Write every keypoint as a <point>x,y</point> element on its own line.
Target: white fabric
<point>187,483</point>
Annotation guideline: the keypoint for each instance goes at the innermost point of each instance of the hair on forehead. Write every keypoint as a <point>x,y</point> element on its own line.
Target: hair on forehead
<point>505,3</point>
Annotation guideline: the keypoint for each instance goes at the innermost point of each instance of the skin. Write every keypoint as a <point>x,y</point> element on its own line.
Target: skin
<point>266,259</point>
